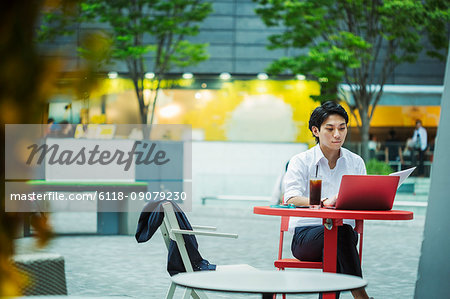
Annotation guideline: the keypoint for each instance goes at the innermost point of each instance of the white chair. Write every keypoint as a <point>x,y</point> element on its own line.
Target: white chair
<point>171,231</point>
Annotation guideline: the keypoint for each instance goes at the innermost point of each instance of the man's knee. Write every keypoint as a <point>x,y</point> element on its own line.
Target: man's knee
<point>346,232</point>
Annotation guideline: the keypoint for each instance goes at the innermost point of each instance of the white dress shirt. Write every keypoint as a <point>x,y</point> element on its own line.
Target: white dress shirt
<point>420,133</point>
<point>303,166</point>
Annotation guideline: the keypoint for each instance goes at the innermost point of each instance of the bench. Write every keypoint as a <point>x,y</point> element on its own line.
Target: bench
<point>237,198</point>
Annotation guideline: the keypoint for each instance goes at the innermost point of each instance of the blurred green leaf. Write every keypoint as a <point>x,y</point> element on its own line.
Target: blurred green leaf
<point>134,30</point>
<point>378,167</point>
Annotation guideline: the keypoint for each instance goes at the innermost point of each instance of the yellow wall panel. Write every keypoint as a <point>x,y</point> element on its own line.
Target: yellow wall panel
<point>403,116</point>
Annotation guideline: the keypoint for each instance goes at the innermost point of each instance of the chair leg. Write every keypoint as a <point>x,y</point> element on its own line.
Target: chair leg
<point>199,294</point>
<point>171,291</point>
<point>187,293</point>
<point>196,294</point>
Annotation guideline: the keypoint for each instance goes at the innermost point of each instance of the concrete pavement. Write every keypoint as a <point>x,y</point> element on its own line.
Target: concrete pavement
<point>118,266</point>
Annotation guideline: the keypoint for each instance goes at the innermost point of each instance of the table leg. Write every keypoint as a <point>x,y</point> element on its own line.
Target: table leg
<point>330,249</point>
<point>359,227</point>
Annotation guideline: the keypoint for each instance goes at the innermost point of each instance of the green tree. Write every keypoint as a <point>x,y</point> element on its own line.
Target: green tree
<point>357,42</point>
<point>135,30</point>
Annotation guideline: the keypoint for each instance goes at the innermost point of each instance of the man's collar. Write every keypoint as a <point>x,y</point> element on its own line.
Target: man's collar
<point>318,154</point>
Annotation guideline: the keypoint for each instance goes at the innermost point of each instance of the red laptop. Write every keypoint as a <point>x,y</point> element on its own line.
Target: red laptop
<point>367,192</point>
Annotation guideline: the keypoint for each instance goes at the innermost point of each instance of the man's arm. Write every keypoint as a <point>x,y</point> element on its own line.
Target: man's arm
<point>298,201</point>
<point>424,139</point>
<point>304,201</point>
<point>295,183</point>
<point>414,137</point>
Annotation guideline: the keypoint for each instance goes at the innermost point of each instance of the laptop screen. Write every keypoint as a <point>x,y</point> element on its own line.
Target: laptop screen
<point>367,192</point>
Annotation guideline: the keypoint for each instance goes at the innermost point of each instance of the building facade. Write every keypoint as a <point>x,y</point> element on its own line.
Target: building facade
<point>238,41</point>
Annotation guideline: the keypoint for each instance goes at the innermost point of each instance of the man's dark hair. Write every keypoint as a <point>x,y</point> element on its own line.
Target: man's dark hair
<point>321,113</point>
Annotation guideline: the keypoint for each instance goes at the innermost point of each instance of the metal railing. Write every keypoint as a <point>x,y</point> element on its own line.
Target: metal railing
<point>379,152</point>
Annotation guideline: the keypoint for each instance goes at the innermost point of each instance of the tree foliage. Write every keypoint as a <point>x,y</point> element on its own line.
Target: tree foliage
<point>136,30</point>
<point>357,42</point>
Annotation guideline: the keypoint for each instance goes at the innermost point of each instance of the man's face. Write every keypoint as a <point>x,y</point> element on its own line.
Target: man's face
<point>418,124</point>
<point>332,132</point>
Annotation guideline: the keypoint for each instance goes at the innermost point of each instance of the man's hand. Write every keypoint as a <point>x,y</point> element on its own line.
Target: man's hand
<point>329,202</point>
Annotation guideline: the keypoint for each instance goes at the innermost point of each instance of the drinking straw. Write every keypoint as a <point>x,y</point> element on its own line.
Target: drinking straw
<point>317,169</point>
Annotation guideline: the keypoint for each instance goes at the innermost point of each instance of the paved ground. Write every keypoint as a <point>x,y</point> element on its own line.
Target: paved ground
<point>118,266</point>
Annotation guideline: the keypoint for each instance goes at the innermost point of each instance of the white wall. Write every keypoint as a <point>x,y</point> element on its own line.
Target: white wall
<point>218,168</point>
<point>238,168</point>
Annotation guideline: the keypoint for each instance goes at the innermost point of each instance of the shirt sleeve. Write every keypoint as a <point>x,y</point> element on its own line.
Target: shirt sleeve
<point>295,180</point>
<point>361,166</point>
<point>277,190</point>
<point>423,139</point>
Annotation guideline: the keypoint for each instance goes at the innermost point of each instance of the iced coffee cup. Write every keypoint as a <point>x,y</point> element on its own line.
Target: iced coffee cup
<point>315,192</point>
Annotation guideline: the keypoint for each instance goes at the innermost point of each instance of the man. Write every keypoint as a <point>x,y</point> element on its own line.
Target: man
<point>419,141</point>
<point>328,123</point>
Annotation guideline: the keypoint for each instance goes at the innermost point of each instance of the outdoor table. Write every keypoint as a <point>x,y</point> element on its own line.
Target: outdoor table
<point>332,219</point>
<point>268,282</point>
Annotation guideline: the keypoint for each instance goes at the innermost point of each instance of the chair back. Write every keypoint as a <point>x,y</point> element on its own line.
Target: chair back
<point>284,223</point>
<point>171,222</point>
<point>165,234</point>
<point>283,228</point>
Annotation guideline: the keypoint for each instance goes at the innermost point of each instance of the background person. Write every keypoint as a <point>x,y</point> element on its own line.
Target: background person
<point>374,146</point>
<point>407,151</point>
<point>328,123</point>
<point>419,141</point>
<point>62,130</point>
<point>393,150</point>
<point>48,127</point>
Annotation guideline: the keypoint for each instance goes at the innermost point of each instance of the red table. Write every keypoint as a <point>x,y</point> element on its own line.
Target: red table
<point>332,219</point>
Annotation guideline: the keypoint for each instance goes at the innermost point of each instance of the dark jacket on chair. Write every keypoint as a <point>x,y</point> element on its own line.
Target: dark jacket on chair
<point>151,218</point>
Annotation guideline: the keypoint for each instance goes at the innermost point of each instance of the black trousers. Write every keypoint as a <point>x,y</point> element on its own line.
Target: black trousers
<point>307,245</point>
<point>421,169</point>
